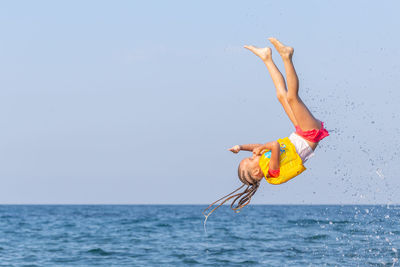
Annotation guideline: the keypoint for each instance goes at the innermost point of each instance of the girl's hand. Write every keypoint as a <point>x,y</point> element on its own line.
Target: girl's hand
<point>258,150</point>
<point>235,149</point>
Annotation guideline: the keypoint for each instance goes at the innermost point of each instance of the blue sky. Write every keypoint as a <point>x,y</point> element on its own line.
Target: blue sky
<point>137,102</point>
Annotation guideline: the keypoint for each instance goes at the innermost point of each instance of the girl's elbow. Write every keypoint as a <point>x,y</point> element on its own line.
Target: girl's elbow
<point>276,145</point>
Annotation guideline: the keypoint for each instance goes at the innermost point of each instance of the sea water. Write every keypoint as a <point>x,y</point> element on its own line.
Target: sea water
<point>173,235</point>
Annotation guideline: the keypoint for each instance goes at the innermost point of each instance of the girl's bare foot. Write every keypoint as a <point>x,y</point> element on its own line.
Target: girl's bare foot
<point>284,51</point>
<point>263,53</point>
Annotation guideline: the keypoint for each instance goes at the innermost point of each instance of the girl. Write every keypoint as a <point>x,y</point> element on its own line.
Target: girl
<point>281,160</point>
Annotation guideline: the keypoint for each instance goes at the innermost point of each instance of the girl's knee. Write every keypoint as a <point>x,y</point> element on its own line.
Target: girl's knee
<point>292,98</point>
<point>281,96</point>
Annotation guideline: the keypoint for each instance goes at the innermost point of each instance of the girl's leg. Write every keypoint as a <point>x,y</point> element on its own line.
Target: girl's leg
<point>277,78</point>
<point>304,118</point>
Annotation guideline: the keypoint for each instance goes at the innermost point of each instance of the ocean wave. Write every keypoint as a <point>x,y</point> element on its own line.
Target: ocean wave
<point>100,252</point>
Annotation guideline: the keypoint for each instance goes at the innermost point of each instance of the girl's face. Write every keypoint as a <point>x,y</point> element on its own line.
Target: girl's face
<point>251,165</point>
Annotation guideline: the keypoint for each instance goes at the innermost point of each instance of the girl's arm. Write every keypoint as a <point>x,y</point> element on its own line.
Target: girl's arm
<point>248,147</point>
<point>275,152</point>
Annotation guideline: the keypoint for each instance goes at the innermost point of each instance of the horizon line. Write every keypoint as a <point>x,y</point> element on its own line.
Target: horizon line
<point>198,204</point>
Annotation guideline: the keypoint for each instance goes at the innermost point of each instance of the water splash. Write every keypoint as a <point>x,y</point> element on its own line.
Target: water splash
<point>380,174</point>
<point>205,222</point>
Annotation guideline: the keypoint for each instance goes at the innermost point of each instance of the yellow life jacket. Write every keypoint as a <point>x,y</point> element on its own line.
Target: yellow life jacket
<point>290,163</point>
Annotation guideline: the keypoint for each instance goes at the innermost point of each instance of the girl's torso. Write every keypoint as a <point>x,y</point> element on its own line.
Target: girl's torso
<point>290,163</point>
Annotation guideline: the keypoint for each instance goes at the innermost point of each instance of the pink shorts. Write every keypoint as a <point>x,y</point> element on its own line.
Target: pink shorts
<point>313,135</point>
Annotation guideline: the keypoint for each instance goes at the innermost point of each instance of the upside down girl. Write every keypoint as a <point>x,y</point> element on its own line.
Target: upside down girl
<point>281,160</point>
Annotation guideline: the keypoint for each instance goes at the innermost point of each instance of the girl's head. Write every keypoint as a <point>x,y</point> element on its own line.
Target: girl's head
<point>250,174</point>
<point>249,170</point>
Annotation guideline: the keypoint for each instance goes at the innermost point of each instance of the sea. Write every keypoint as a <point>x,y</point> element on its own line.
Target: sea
<point>175,235</point>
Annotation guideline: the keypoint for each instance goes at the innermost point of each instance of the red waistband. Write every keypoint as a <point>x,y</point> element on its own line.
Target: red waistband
<point>313,135</point>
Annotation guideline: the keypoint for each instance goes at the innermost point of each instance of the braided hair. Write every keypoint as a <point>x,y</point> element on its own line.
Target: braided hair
<point>243,198</point>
